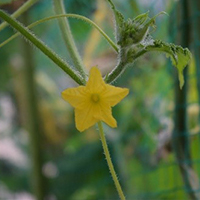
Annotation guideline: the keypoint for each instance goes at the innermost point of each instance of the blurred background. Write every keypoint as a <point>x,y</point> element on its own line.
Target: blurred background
<point>156,147</point>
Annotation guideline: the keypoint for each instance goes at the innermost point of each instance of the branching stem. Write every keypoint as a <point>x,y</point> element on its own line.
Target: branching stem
<point>40,45</point>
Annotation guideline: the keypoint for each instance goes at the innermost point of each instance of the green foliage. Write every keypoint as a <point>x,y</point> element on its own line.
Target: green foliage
<point>82,170</point>
<point>85,8</point>
<point>133,31</point>
<point>180,56</point>
<point>134,39</point>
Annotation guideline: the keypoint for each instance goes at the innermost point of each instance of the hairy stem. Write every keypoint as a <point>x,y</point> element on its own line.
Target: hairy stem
<point>109,161</point>
<point>40,45</point>
<point>68,37</point>
<point>122,65</point>
<point>20,11</point>
<point>85,19</point>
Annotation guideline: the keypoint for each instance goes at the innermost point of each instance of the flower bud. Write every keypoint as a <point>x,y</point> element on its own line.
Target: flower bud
<point>135,30</point>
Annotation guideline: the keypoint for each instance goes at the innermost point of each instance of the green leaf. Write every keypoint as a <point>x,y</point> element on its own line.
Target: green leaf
<point>119,20</point>
<point>2,2</point>
<point>180,56</point>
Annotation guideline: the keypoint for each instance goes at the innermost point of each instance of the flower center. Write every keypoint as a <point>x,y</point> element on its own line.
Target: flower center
<point>95,98</point>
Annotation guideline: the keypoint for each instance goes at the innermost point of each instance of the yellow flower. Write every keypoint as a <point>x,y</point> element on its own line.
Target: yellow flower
<point>93,102</point>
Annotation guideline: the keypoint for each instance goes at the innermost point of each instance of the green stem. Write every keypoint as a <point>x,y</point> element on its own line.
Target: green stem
<point>109,161</point>
<point>116,72</point>
<point>68,37</point>
<point>196,35</point>
<point>40,45</point>
<point>20,11</point>
<point>181,136</point>
<point>122,65</point>
<point>33,122</point>
<point>67,15</point>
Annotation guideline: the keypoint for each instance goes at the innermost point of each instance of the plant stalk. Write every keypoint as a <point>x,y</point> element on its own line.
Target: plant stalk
<point>59,8</point>
<point>109,161</point>
<point>181,140</point>
<point>122,65</point>
<point>40,45</point>
<point>20,11</point>
<point>33,121</point>
<point>196,42</point>
<point>80,17</point>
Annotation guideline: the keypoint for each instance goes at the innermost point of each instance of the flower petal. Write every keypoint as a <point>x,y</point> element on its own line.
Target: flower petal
<point>89,111</point>
<point>113,95</point>
<point>106,115</point>
<point>95,83</point>
<point>84,118</point>
<point>77,97</point>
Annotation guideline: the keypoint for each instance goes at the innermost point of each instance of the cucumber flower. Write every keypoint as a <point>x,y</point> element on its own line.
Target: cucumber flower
<point>93,101</point>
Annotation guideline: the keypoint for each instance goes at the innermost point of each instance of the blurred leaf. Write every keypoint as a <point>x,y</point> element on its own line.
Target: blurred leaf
<point>135,7</point>
<point>85,8</point>
<point>2,2</point>
<point>84,168</point>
